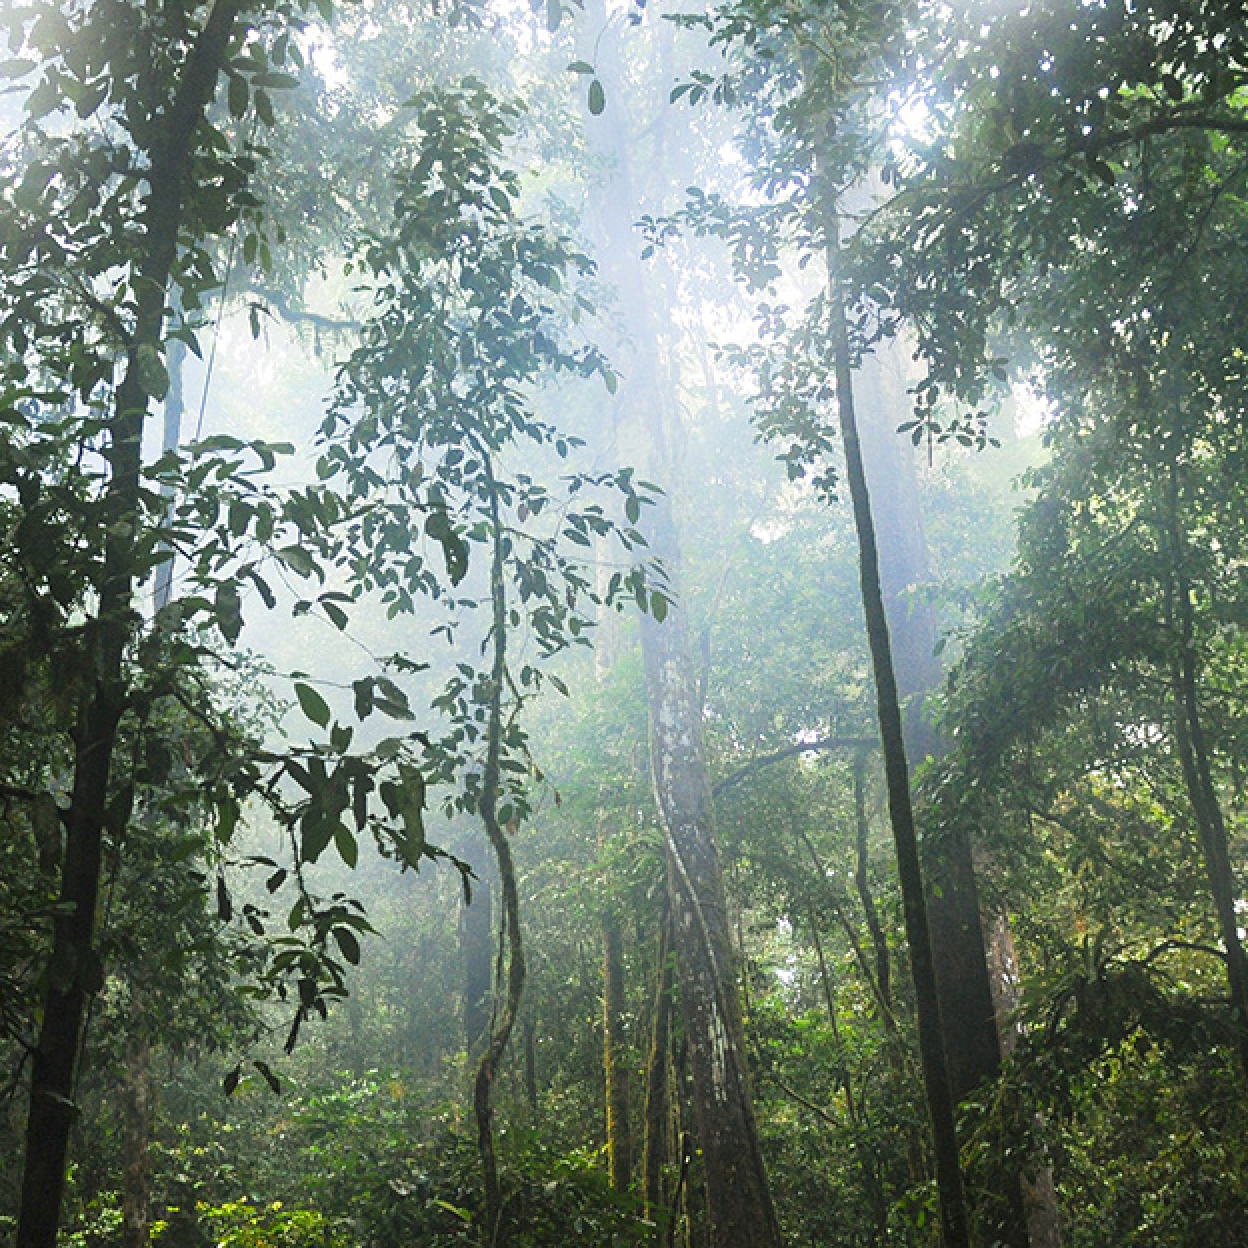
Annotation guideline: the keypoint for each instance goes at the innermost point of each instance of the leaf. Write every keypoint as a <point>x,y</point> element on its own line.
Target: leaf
<point>269,1077</point>
<point>230,1082</point>
<point>316,832</point>
<point>597,98</point>
<point>227,817</point>
<point>237,95</point>
<point>454,552</point>
<point>580,67</point>
<point>225,906</point>
<point>658,606</point>
<point>297,560</point>
<point>412,811</point>
<point>346,844</point>
<point>314,706</point>
<point>348,943</point>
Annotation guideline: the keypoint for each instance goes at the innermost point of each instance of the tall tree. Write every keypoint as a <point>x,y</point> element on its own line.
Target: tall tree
<point>165,118</point>
<point>739,1205</point>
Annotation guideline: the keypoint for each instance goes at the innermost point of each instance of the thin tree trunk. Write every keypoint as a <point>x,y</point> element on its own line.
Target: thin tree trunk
<point>954,1222</point>
<point>512,990</point>
<point>968,1023</point>
<point>530,1066</point>
<point>171,436</point>
<point>866,1164</point>
<point>76,972</point>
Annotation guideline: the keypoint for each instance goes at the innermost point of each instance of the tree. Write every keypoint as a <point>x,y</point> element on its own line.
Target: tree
<point>740,1210</point>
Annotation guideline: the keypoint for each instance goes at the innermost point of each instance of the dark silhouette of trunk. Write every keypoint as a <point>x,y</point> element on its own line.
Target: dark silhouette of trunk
<point>968,1020</point>
<point>954,1222</point>
<point>75,972</point>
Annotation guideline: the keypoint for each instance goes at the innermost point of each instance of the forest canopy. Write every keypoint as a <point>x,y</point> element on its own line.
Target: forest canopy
<point>620,623</point>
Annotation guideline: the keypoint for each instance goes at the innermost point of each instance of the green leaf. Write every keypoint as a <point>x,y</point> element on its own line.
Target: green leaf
<point>348,943</point>
<point>237,95</point>
<point>346,844</point>
<point>297,560</point>
<point>597,98</point>
<point>269,1077</point>
<point>580,67</point>
<point>316,832</point>
<point>314,706</point>
<point>412,810</point>
<point>225,905</point>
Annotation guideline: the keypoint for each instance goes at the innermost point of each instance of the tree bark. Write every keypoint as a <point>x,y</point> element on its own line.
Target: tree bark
<point>738,1198</point>
<point>75,972</point>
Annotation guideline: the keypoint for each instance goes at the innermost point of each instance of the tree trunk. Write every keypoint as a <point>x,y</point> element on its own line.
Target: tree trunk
<point>968,1021</point>
<point>954,1222</point>
<point>738,1199</point>
<point>75,972</point>
<point>1039,1192</point>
